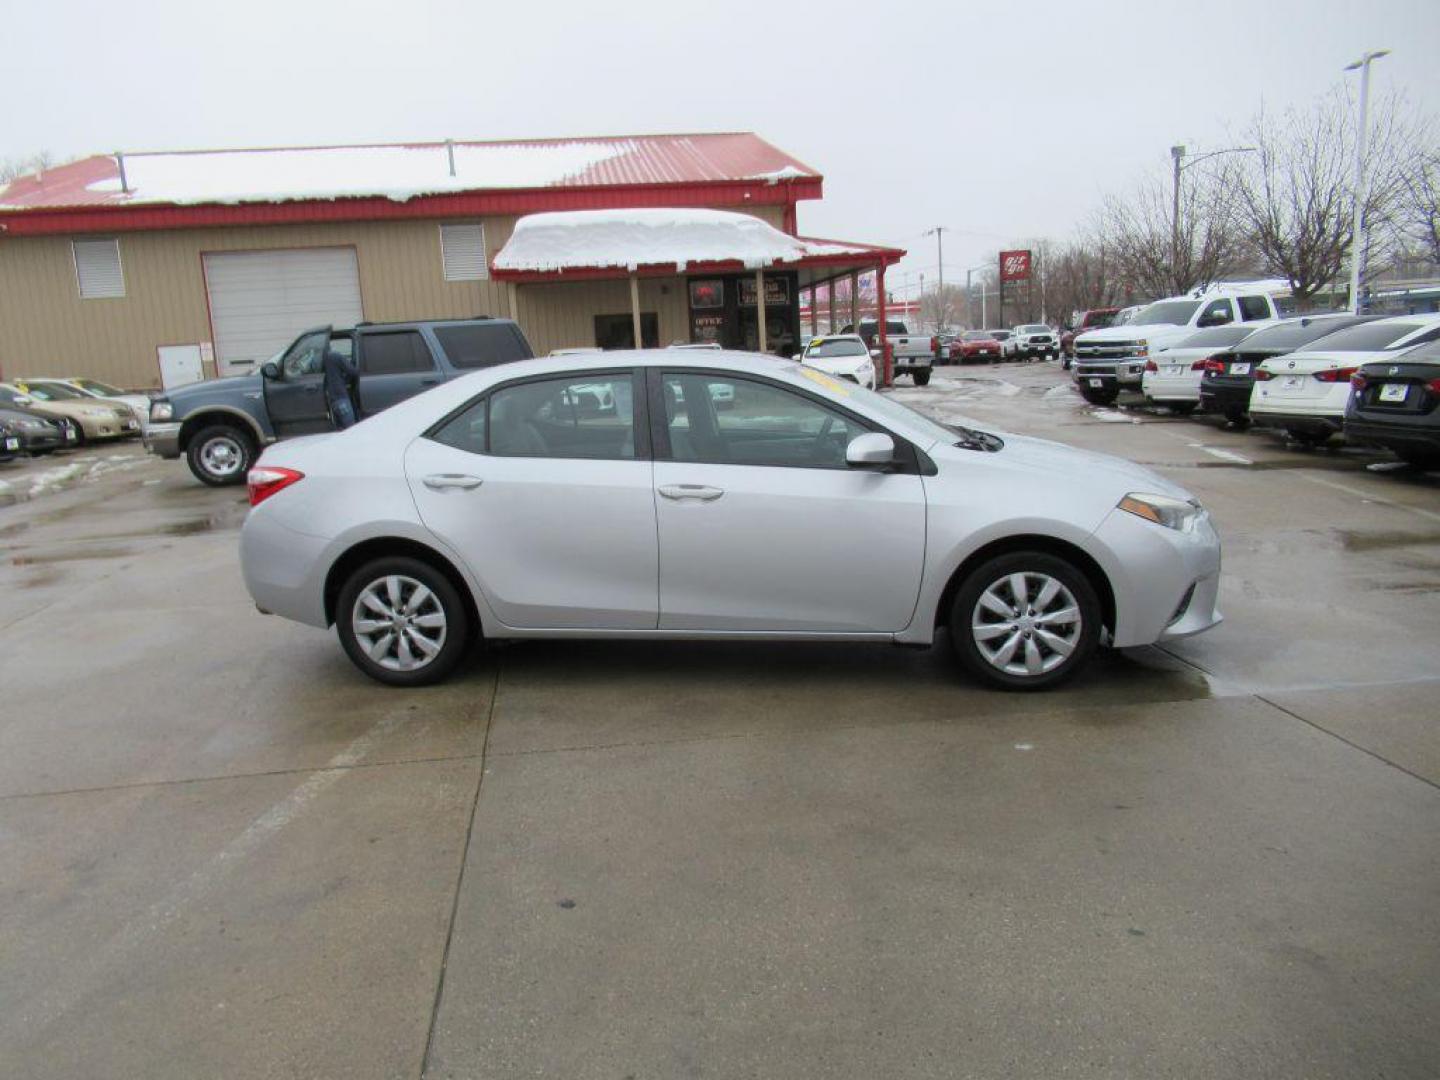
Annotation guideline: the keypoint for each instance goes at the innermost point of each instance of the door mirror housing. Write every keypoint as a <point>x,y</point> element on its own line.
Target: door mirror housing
<point>873,450</point>
<point>270,369</point>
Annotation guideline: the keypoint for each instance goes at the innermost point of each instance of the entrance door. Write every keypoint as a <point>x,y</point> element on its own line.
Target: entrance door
<point>296,400</point>
<point>763,527</point>
<point>180,365</point>
<point>259,300</point>
<point>540,487</point>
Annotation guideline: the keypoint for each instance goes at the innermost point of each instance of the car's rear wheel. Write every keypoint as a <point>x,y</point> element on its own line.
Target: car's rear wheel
<point>922,378</point>
<point>1182,408</point>
<point>402,622</point>
<point>1424,460</point>
<point>1028,620</point>
<point>220,455</point>
<point>1237,417</point>
<point>1308,439</point>
<point>1100,395</point>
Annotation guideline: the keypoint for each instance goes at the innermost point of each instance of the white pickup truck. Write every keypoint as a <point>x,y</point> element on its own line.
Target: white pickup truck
<point>1113,359</point>
<point>913,355</point>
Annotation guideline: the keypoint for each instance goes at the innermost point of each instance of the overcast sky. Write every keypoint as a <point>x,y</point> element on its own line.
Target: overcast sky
<point>1002,120</point>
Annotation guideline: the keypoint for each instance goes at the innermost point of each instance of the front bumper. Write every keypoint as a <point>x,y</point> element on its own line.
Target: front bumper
<point>1166,582</point>
<point>163,440</point>
<point>1126,373</point>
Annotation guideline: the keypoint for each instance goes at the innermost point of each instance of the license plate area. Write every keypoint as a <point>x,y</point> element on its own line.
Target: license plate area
<point>1239,369</point>
<point>1096,383</point>
<point>1394,393</point>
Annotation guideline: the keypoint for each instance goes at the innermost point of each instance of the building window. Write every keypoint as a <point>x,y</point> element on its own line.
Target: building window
<point>98,272</point>
<point>462,252</point>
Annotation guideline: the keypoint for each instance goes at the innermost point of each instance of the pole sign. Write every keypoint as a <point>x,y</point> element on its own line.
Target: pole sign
<point>1015,265</point>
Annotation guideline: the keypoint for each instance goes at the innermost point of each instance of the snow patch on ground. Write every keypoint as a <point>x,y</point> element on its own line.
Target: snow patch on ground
<point>1111,416</point>
<point>86,471</point>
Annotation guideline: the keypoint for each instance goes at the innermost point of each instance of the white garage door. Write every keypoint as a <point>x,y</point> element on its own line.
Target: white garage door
<point>261,300</point>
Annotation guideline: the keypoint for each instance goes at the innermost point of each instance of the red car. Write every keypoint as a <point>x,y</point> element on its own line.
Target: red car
<point>976,345</point>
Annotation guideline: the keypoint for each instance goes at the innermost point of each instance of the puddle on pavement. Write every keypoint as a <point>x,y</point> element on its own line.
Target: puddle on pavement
<point>45,558</point>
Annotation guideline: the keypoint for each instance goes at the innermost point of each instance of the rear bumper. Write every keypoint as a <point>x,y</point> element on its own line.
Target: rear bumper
<point>1319,423</point>
<point>1222,398</point>
<point>163,440</point>
<point>1391,435</point>
<point>284,570</point>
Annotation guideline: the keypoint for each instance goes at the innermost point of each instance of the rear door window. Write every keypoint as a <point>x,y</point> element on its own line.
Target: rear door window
<point>1254,308</point>
<point>394,353</point>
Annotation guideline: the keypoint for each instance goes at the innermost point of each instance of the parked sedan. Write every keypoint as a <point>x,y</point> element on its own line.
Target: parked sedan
<point>1229,375</point>
<point>139,404</point>
<point>1009,345</point>
<point>37,434</point>
<point>1173,376</point>
<point>1306,392</point>
<point>94,420</point>
<point>977,345</point>
<point>845,356</point>
<point>1395,404</point>
<point>815,509</point>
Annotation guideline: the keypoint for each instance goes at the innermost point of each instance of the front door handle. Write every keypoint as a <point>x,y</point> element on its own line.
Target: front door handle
<point>441,481</point>
<point>691,491</point>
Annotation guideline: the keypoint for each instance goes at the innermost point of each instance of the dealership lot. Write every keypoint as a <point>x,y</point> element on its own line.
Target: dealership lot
<point>225,852</point>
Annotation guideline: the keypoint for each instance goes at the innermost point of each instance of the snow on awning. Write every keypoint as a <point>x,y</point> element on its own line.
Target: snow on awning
<point>631,239</point>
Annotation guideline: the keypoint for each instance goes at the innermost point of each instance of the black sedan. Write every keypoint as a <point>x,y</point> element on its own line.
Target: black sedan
<point>1395,404</point>
<point>9,441</point>
<point>1230,376</point>
<point>37,434</point>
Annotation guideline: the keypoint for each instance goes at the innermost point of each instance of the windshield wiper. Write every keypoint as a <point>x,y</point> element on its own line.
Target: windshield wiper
<point>970,439</point>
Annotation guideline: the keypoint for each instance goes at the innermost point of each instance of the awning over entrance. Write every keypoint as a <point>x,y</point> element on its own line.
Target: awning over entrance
<point>645,242</point>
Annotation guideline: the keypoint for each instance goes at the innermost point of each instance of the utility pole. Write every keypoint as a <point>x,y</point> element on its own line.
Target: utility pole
<point>1177,154</point>
<point>1357,231</point>
<point>939,233</point>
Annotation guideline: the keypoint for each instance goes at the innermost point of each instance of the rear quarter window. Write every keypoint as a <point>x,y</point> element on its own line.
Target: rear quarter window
<point>482,345</point>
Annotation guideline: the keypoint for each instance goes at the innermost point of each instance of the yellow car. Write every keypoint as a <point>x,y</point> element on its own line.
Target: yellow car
<point>95,419</point>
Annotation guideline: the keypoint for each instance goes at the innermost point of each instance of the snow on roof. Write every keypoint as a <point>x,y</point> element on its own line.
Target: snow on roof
<point>629,239</point>
<point>401,172</point>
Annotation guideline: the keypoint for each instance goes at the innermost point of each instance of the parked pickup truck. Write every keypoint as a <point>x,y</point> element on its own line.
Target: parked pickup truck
<point>1093,319</point>
<point>220,425</point>
<point>913,355</point>
<point>1110,360</point>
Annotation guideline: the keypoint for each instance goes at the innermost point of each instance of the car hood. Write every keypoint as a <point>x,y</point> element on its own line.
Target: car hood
<point>1131,331</point>
<point>226,387</point>
<point>1060,463</point>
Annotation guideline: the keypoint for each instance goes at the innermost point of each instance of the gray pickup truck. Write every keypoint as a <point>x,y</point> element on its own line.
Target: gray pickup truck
<point>913,354</point>
<point>221,425</point>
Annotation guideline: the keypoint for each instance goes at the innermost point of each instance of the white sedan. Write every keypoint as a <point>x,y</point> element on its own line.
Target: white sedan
<point>1306,392</point>
<point>846,356</point>
<point>812,509</point>
<point>1173,375</point>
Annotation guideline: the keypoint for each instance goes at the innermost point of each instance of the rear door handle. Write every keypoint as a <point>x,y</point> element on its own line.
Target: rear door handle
<point>441,481</point>
<point>691,491</point>
<point>429,382</point>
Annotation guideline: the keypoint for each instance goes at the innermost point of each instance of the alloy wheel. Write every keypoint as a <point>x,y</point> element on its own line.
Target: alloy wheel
<point>399,623</point>
<point>1026,623</point>
<point>222,455</point>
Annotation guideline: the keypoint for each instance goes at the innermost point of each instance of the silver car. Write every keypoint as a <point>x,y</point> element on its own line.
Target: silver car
<point>810,508</point>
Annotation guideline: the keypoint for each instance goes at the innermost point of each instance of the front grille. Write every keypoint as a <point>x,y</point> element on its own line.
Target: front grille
<point>1108,350</point>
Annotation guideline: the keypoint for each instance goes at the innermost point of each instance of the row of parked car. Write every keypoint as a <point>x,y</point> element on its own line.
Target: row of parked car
<point>1029,341</point>
<point>40,416</point>
<point>1375,380</point>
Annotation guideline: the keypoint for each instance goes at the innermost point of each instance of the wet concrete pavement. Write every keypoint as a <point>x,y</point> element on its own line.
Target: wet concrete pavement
<point>222,852</point>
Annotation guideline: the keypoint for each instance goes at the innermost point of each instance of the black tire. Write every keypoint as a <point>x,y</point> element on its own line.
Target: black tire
<point>1101,395</point>
<point>1309,439</point>
<point>1237,416</point>
<point>922,378</point>
<point>993,575</point>
<point>220,455</point>
<point>456,631</point>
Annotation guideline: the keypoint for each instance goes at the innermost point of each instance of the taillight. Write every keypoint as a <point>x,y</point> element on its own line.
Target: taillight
<point>1334,375</point>
<point>1358,380</point>
<point>1261,375</point>
<point>1210,363</point>
<point>1150,365</point>
<point>1433,386</point>
<point>265,480</point>
<point>934,344</point>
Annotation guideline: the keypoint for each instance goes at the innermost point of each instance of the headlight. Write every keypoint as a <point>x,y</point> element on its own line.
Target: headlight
<point>160,409</point>
<point>1179,514</point>
<point>1142,348</point>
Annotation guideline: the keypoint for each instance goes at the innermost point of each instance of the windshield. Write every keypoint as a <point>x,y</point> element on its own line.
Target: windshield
<point>1166,312</point>
<point>1215,335</point>
<point>53,392</point>
<point>1000,335</point>
<point>978,335</point>
<point>1367,337</point>
<point>1034,328</point>
<point>96,387</point>
<point>1099,322</point>
<point>821,349</point>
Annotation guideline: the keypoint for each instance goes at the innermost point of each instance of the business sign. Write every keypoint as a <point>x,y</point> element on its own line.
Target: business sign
<point>707,294</point>
<point>1015,265</point>
<point>777,292</point>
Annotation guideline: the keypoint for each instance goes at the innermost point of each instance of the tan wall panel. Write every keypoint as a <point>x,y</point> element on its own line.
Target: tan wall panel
<point>47,329</point>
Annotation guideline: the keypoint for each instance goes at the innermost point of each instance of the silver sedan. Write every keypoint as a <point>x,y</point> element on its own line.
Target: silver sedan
<point>608,496</point>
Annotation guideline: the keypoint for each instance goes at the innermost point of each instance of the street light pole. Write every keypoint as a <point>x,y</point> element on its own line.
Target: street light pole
<point>939,233</point>
<point>1357,229</point>
<point>1177,154</point>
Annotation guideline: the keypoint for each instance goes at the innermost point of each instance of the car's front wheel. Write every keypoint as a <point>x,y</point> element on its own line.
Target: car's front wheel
<point>1100,395</point>
<point>1027,620</point>
<point>220,455</point>
<point>402,622</point>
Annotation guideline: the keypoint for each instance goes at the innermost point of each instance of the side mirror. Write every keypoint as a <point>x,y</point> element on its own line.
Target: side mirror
<point>796,356</point>
<point>873,450</point>
<point>270,369</point>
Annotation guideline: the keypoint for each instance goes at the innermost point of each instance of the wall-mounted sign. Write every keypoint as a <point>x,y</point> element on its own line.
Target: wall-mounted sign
<point>777,292</point>
<point>707,294</point>
<point>1015,265</point>
<point>705,328</point>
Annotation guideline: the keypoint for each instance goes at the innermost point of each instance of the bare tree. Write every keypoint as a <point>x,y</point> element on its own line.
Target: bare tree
<point>1418,212</point>
<point>1296,193</point>
<point>940,308</point>
<point>14,168</point>
<point>1155,254</point>
<point>1080,276</point>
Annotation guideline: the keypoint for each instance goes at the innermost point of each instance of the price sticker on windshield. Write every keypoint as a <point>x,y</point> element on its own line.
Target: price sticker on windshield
<point>835,386</point>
